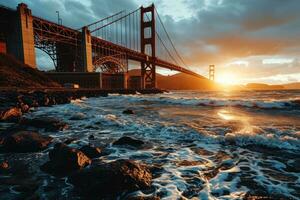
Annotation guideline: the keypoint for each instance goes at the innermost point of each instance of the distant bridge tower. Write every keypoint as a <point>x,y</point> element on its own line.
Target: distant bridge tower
<point>211,72</point>
<point>148,67</point>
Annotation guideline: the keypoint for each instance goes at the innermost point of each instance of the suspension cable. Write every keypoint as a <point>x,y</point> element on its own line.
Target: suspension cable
<point>168,36</point>
<point>163,43</point>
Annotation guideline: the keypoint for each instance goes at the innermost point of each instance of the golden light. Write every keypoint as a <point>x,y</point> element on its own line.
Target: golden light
<point>226,79</point>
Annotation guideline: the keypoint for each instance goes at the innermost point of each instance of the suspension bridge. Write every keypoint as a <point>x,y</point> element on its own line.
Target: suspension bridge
<point>105,45</point>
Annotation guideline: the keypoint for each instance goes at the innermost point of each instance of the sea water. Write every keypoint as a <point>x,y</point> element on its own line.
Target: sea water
<point>206,145</point>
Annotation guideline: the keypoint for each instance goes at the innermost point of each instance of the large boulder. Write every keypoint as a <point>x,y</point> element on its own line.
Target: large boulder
<point>25,141</point>
<point>129,141</point>
<point>47,123</point>
<point>108,180</point>
<point>64,159</point>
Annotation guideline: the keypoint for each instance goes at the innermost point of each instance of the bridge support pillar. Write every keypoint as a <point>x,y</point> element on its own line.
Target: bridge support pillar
<point>148,73</point>
<point>21,40</point>
<point>87,50</point>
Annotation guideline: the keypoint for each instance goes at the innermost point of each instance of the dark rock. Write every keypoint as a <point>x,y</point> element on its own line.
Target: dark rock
<point>143,198</point>
<point>69,140</point>
<point>64,159</point>
<point>128,112</point>
<point>29,100</point>
<point>91,152</point>
<point>24,107</point>
<point>91,137</point>
<point>129,141</point>
<point>25,141</point>
<point>78,116</point>
<point>10,114</point>
<point>48,123</point>
<point>4,166</point>
<point>108,180</point>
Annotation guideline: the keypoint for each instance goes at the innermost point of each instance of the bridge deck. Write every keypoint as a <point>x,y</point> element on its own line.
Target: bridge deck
<point>53,31</point>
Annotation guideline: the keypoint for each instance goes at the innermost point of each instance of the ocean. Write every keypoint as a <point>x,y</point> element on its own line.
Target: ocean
<point>206,145</point>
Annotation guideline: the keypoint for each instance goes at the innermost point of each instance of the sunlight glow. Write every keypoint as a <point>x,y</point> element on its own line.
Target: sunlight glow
<point>225,115</point>
<point>226,78</point>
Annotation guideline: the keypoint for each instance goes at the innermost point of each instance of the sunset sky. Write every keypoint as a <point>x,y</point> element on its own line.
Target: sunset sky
<point>247,40</point>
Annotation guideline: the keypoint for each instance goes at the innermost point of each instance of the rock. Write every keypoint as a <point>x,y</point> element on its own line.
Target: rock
<point>91,137</point>
<point>25,141</point>
<point>69,140</point>
<point>24,107</point>
<point>143,198</point>
<point>129,141</point>
<point>91,152</point>
<point>78,116</point>
<point>108,180</point>
<point>48,123</point>
<point>10,114</point>
<point>29,100</point>
<point>128,112</point>
<point>64,159</point>
<point>4,166</point>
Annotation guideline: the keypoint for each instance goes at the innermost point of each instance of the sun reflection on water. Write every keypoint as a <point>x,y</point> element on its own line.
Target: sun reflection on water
<point>224,114</point>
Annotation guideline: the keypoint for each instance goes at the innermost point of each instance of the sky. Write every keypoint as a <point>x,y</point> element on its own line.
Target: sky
<point>247,40</point>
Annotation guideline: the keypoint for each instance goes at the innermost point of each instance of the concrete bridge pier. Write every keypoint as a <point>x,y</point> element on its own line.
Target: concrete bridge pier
<point>21,39</point>
<point>86,42</point>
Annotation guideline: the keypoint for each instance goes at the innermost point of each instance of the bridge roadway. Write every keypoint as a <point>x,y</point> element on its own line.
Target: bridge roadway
<point>51,31</point>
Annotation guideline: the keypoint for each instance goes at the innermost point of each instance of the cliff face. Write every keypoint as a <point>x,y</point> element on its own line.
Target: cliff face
<point>180,81</point>
<point>15,74</point>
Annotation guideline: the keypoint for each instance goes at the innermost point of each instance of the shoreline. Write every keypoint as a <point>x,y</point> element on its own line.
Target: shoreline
<point>17,101</point>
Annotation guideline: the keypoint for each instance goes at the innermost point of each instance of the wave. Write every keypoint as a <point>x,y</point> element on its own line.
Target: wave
<point>286,104</point>
<point>210,102</point>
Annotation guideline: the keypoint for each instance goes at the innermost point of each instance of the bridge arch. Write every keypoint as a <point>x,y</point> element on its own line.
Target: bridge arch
<point>109,64</point>
<point>44,61</point>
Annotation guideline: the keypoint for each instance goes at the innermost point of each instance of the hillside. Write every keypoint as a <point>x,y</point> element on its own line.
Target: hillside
<point>261,86</point>
<point>292,86</point>
<point>180,81</point>
<point>13,73</point>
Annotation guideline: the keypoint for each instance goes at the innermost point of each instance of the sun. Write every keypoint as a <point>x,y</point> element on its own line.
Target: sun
<point>226,79</point>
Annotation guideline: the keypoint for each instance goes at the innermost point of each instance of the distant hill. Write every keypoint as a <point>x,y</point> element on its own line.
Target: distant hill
<point>292,86</point>
<point>13,73</point>
<point>180,81</point>
<point>261,86</point>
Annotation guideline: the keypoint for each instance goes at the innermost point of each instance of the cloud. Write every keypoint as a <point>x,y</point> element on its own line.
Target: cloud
<point>205,31</point>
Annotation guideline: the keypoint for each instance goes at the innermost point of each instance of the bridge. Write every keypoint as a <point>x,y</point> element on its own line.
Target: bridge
<point>105,45</point>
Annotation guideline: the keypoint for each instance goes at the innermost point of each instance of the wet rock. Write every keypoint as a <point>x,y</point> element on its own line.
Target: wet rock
<point>108,180</point>
<point>143,198</point>
<point>129,141</point>
<point>128,112</point>
<point>25,141</point>
<point>91,152</point>
<point>29,100</point>
<point>69,140</point>
<point>190,163</point>
<point>64,159</point>
<point>91,137</point>
<point>47,123</point>
<point>78,116</point>
<point>4,166</point>
<point>24,108</point>
<point>10,114</point>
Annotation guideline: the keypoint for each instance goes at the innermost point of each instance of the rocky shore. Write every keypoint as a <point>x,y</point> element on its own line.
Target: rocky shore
<point>83,168</point>
<point>15,102</point>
